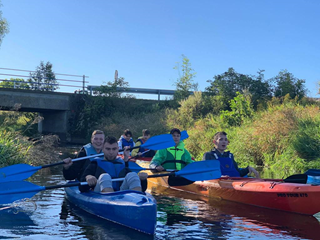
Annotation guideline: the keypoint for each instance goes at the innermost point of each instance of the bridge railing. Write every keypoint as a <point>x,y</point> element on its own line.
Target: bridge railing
<point>5,73</point>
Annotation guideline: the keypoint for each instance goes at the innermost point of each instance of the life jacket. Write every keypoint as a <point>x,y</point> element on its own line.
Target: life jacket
<point>90,150</point>
<point>113,168</point>
<point>176,158</point>
<point>227,166</point>
<point>125,143</point>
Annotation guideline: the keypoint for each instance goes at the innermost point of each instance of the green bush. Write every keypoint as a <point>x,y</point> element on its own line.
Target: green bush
<point>12,149</point>
<point>306,140</point>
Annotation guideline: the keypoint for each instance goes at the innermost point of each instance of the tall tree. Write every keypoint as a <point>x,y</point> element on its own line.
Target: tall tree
<point>43,78</point>
<point>286,83</point>
<point>226,85</point>
<point>4,28</point>
<point>184,84</point>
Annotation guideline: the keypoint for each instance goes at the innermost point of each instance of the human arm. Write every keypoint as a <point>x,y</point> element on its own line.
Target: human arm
<point>158,159</point>
<point>136,150</point>
<point>89,177</point>
<point>73,170</point>
<point>143,180</point>
<point>255,172</point>
<point>207,156</point>
<point>187,157</point>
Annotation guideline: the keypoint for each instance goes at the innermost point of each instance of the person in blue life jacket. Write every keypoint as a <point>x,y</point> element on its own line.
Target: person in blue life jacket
<point>175,157</point>
<point>126,140</point>
<point>100,172</point>
<point>228,165</point>
<point>74,170</point>
<point>141,151</point>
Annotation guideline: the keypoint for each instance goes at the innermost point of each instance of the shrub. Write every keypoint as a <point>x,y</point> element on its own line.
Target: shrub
<point>13,149</point>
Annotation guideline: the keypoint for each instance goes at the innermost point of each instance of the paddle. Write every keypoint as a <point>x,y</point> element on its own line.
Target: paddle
<point>23,171</point>
<point>196,171</point>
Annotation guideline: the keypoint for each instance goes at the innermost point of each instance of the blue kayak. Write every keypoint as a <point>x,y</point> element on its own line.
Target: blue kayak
<point>133,209</point>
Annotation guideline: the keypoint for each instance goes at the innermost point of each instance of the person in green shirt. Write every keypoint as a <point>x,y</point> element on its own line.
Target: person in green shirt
<point>173,158</point>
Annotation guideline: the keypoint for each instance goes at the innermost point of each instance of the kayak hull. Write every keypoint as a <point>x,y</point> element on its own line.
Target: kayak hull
<point>129,208</point>
<point>267,193</point>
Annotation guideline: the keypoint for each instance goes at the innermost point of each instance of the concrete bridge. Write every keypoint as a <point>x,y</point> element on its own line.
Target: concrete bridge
<point>55,108</point>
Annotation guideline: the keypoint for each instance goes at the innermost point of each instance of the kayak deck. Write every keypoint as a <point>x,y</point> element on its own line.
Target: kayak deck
<point>129,208</point>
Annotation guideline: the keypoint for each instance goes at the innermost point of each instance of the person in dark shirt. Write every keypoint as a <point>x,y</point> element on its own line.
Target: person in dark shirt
<point>74,170</point>
<point>228,165</point>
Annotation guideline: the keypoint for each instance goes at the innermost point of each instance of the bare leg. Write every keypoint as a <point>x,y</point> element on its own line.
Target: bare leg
<point>137,189</point>
<point>106,190</point>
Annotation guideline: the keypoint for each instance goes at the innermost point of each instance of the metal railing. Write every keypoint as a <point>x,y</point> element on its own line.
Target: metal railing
<point>159,92</point>
<point>26,84</point>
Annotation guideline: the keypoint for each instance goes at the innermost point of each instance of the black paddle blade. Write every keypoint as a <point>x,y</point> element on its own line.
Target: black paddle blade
<point>297,178</point>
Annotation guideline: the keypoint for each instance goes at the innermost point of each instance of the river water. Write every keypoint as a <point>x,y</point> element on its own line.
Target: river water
<point>180,216</point>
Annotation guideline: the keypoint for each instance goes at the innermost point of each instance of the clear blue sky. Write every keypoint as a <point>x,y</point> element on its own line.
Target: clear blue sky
<point>144,39</point>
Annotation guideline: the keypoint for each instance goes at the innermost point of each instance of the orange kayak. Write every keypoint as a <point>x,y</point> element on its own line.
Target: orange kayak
<point>267,193</point>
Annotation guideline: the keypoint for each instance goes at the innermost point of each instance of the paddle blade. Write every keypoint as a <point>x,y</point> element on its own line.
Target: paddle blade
<point>13,191</point>
<point>163,141</point>
<point>200,171</point>
<point>135,167</point>
<point>17,172</point>
<point>184,135</point>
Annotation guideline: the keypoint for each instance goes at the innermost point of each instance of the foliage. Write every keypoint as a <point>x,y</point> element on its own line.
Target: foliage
<point>111,89</point>
<point>286,83</point>
<point>227,85</point>
<point>4,27</point>
<point>184,84</point>
<point>13,150</point>
<point>241,109</point>
<point>306,140</point>
<point>18,83</point>
<point>23,122</point>
<point>118,122</point>
<point>43,78</point>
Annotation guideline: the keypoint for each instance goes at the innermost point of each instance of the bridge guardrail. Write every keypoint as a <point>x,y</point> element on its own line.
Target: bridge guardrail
<point>26,84</point>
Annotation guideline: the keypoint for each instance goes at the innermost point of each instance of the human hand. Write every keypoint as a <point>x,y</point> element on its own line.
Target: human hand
<point>252,170</point>
<point>126,153</point>
<point>143,175</point>
<point>91,180</point>
<point>159,168</point>
<point>67,163</point>
<point>139,154</point>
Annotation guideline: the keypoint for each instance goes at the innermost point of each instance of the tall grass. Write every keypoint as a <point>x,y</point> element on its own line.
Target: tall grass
<point>284,138</point>
<point>13,150</point>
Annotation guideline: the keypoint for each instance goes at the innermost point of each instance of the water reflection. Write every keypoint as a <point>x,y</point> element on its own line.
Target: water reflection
<point>225,220</point>
<point>184,219</point>
<point>180,216</point>
<point>15,224</point>
<point>95,228</point>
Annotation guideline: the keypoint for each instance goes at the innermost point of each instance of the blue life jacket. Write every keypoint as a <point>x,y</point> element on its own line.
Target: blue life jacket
<point>125,143</point>
<point>227,166</point>
<point>90,150</point>
<point>113,169</point>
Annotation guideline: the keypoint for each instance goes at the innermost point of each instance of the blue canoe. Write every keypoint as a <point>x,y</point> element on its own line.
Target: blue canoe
<point>129,208</point>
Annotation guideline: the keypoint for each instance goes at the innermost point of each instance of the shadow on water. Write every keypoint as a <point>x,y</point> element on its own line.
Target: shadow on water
<point>96,228</point>
<point>212,219</point>
<point>15,223</point>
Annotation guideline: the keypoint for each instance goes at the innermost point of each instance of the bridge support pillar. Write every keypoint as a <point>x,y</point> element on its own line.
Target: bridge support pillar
<point>54,123</point>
